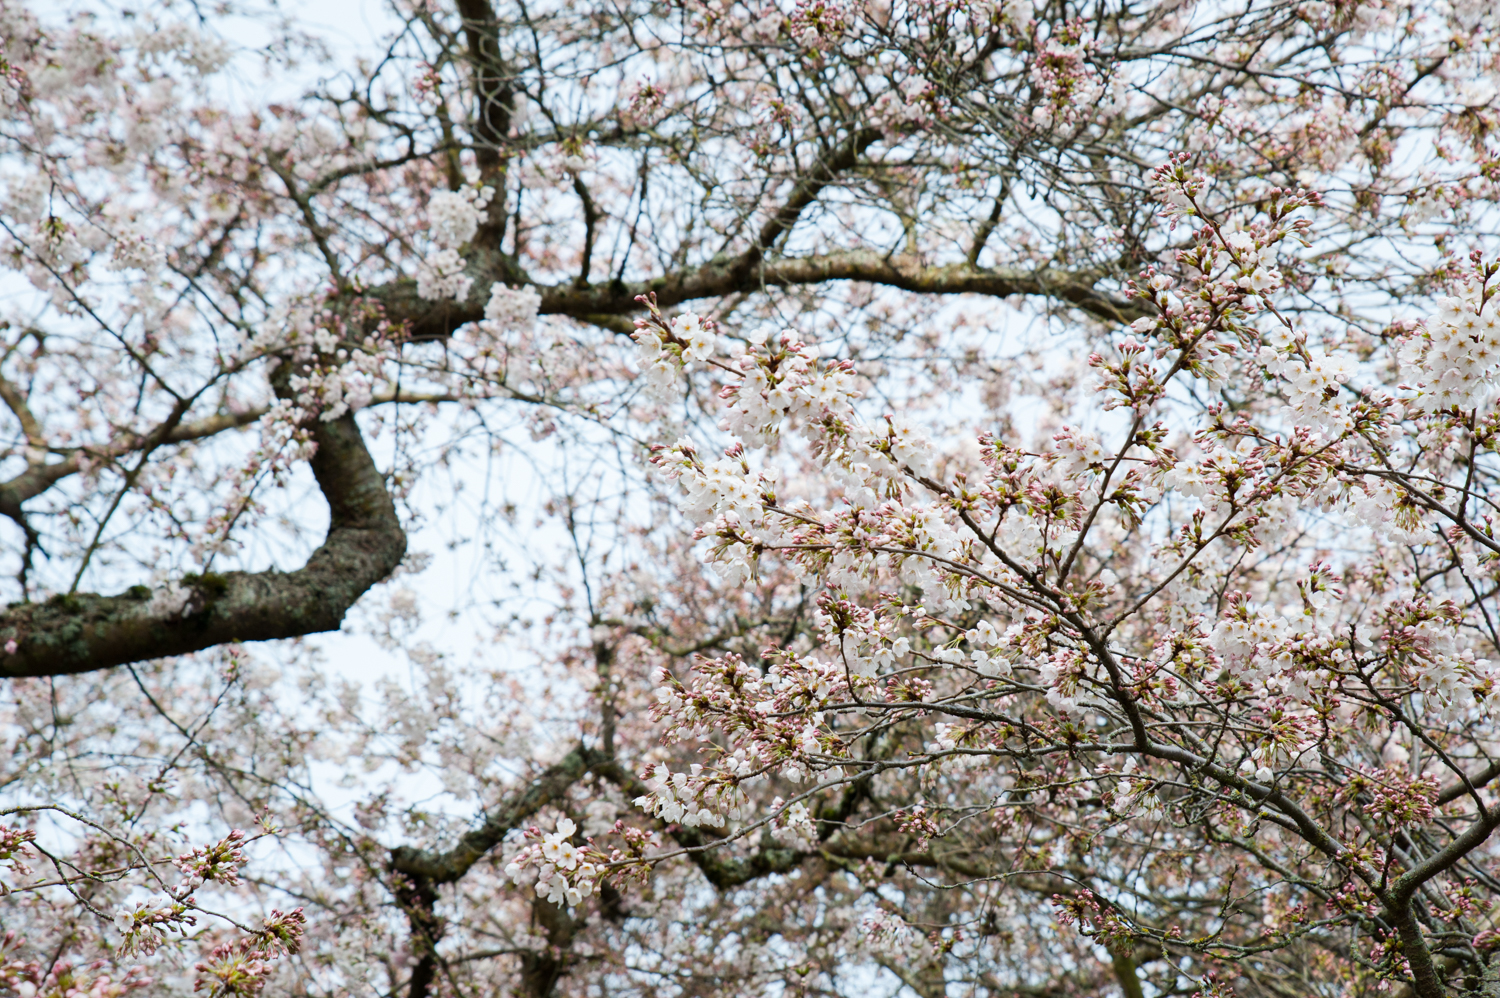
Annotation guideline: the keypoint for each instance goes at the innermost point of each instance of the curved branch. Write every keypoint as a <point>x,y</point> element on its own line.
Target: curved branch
<point>494,93</point>
<point>82,632</point>
<point>40,476</point>
<point>418,873</point>
<point>429,320</point>
<point>451,864</point>
<point>844,157</point>
<point>721,871</point>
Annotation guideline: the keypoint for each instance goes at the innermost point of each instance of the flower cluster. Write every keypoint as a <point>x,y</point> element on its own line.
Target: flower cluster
<point>1061,72</point>
<point>65,979</point>
<point>1392,797</point>
<point>1454,365</point>
<point>1095,917</point>
<point>510,309</point>
<point>793,826</point>
<point>887,933</point>
<point>14,850</point>
<point>666,346</point>
<point>693,798</point>
<point>281,932</point>
<point>242,969</point>
<point>782,380</point>
<point>452,219</point>
<point>564,874</point>
<point>341,380</point>
<point>1133,795</point>
<point>818,24</point>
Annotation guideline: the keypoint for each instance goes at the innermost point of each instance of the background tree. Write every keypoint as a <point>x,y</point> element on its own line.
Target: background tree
<point>1095,591</point>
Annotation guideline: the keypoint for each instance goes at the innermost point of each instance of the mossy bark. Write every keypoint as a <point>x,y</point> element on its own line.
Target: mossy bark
<point>82,632</point>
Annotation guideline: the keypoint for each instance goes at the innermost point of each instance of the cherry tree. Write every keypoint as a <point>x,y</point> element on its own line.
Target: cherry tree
<point>1009,506</point>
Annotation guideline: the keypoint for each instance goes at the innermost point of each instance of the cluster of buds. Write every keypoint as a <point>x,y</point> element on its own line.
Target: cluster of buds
<point>14,849</point>
<point>241,969</point>
<point>218,863</point>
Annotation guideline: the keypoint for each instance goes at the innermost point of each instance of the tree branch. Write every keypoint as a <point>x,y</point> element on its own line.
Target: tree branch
<point>494,94</point>
<point>843,158</point>
<point>81,632</point>
<point>451,864</point>
<point>722,872</point>
<point>418,873</point>
<point>429,320</point>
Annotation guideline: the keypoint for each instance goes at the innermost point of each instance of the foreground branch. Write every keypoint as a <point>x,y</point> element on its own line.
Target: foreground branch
<point>82,632</point>
<point>429,320</point>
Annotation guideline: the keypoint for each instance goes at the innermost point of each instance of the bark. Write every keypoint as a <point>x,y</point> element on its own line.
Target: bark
<point>1467,784</point>
<point>494,107</point>
<point>418,898</point>
<point>447,866</point>
<point>418,873</point>
<point>1489,985</point>
<point>723,872</point>
<point>428,320</point>
<point>82,632</point>
<point>542,969</point>
<point>1426,982</point>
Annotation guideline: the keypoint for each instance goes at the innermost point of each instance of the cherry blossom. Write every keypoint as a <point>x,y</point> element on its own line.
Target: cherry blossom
<point>989,496</point>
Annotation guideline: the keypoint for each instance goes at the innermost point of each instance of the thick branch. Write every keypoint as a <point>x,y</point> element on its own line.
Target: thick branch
<point>721,871</point>
<point>542,968</point>
<point>1406,885</point>
<point>437,320</point>
<point>494,96</point>
<point>85,631</point>
<point>451,864</point>
<point>899,271</point>
<point>418,899</point>
<point>843,158</point>
<point>418,873</point>
<point>1455,790</point>
<point>591,216</point>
